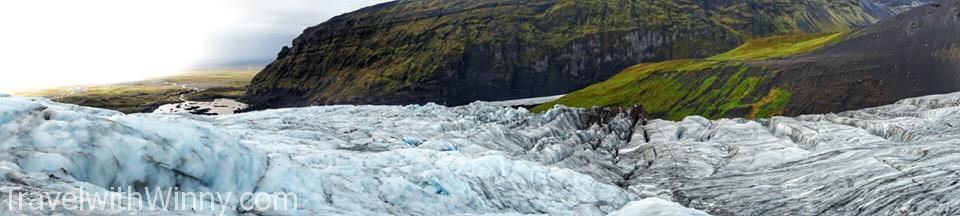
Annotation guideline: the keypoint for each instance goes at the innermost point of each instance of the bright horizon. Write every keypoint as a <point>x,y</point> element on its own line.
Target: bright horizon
<point>63,42</point>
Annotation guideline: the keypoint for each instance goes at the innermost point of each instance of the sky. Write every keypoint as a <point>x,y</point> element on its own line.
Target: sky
<point>49,43</point>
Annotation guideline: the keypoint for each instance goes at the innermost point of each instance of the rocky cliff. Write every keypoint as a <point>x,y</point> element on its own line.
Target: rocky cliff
<point>455,52</point>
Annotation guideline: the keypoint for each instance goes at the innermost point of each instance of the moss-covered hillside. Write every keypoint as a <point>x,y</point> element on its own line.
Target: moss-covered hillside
<point>457,51</point>
<point>914,54</point>
<point>714,87</point>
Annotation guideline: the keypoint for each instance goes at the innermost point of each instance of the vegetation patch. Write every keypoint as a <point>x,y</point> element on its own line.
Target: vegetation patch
<point>779,46</point>
<point>772,104</point>
<point>714,87</point>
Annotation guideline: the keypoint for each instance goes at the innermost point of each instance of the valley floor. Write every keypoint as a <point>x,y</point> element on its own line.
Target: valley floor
<point>148,95</point>
<point>485,159</point>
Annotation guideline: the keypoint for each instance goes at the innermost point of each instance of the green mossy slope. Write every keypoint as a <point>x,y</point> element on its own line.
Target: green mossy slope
<point>716,87</point>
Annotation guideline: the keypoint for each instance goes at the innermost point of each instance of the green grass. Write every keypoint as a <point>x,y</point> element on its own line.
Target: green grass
<point>712,87</point>
<point>771,105</point>
<point>779,46</point>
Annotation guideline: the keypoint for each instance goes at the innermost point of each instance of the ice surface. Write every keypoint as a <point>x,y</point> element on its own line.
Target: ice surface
<point>526,101</point>
<point>656,207</point>
<point>368,160</point>
<point>105,149</point>
<point>483,159</point>
<point>899,159</point>
<point>433,160</point>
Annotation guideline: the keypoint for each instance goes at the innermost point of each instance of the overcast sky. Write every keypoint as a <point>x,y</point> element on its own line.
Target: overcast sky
<point>67,42</point>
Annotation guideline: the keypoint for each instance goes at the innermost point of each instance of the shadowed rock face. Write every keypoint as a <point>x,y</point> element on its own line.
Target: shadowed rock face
<point>455,52</point>
<point>915,54</point>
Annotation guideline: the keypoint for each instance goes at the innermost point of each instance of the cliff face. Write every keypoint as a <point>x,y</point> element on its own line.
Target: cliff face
<point>455,52</point>
<point>914,54</point>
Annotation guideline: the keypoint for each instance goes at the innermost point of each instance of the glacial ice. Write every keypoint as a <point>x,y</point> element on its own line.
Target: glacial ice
<point>107,149</point>
<point>216,107</point>
<point>526,101</point>
<point>485,159</point>
<point>656,207</point>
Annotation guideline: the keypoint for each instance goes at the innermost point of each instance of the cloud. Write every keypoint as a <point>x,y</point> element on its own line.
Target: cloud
<point>266,26</point>
<point>60,42</point>
<point>69,42</point>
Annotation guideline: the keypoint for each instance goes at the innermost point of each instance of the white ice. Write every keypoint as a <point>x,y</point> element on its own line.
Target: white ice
<point>215,107</point>
<point>656,207</point>
<point>484,159</point>
<point>526,101</point>
<point>419,160</point>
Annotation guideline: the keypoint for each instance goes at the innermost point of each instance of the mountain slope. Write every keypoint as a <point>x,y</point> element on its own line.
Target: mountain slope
<point>711,87</point>
<point>914,54</point>
<point>455,52</point>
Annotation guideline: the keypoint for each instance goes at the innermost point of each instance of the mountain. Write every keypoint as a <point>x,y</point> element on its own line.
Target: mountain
<point>479,159</point>
<point>916,53</point>
<point>457,51</point>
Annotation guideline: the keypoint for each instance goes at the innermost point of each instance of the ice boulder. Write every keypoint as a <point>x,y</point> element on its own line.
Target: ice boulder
<point>656,207</point>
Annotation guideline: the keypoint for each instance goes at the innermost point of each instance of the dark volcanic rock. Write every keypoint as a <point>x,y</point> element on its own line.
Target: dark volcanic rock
<point>455,52</point>
<point>915,54</point>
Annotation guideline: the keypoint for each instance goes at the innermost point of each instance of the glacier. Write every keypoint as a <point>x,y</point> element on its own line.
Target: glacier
<point>484,159</point>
